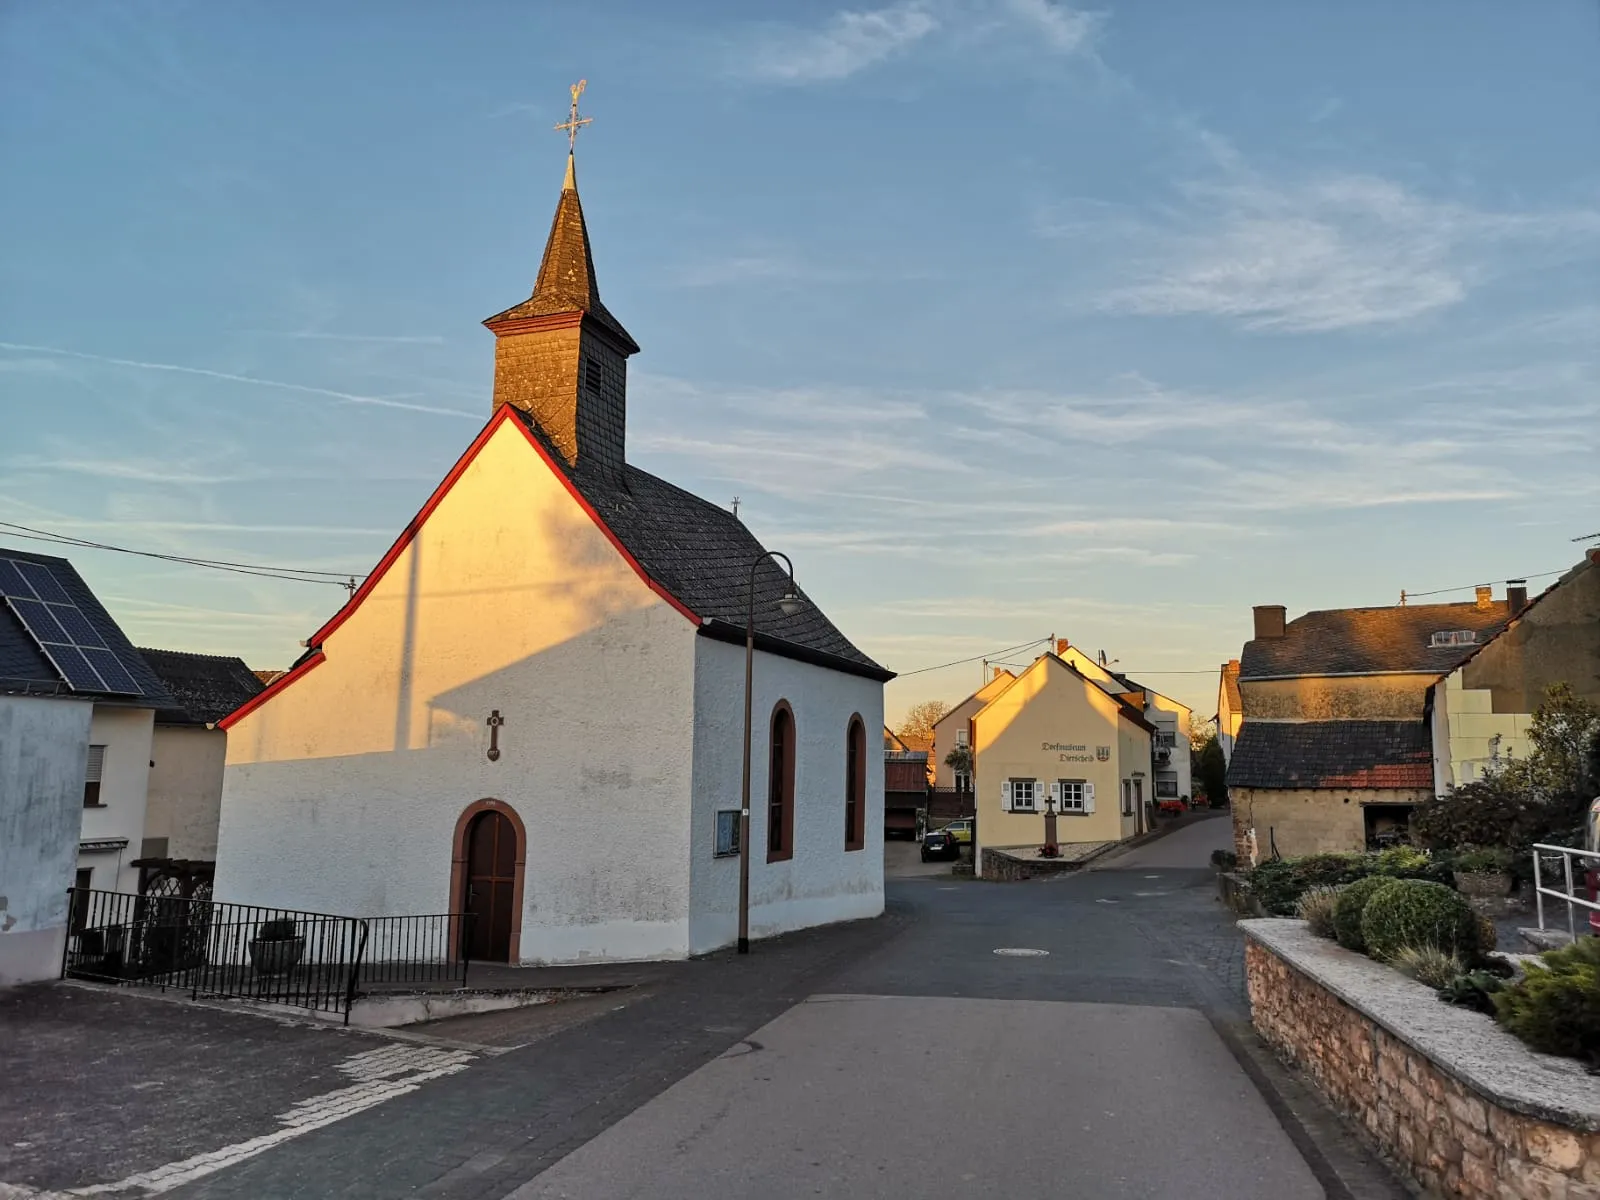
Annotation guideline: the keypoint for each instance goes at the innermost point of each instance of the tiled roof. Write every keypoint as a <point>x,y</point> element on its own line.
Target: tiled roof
<point>23,667</point>
<point>206,687</point>
<point>701,555</point>
<point>1332,754</point>
<point>566,282</point>
<point>1371,641</point>
<point>1230,686</point>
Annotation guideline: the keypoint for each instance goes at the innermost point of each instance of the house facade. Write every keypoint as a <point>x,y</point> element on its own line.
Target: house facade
<point>77,708</point>
<point>1230,708</point>
<point>1481,712</point>
<point>954,730</point>
<point>1172,720</point>
<point>1053,737</point>
<point>1335,745</point>
<point>531,712</point>
<point>188,753</point>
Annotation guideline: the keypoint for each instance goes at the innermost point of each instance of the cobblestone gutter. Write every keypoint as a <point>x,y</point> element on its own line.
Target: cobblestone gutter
<point>1460,1104</point>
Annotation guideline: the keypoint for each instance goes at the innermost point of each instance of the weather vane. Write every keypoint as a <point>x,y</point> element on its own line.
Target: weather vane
<point>573,123</point>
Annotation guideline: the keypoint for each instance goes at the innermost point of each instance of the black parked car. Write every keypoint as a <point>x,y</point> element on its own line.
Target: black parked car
<point>940,844</point>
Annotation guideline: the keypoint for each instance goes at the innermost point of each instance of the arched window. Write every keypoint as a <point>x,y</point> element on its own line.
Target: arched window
<point>855,784</point>
<point>780,784</point>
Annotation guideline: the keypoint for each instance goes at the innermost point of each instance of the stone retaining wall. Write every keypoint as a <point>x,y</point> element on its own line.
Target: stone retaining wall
<point>1534,1133</point>
<point>1013,863</point>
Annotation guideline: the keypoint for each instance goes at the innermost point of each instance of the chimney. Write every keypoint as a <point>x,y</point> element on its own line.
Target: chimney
<point>1233,666</point>
<point>1269,620</point>
<point>1517,595</point>
<point>1062,645</point>
<point>1484,597</point>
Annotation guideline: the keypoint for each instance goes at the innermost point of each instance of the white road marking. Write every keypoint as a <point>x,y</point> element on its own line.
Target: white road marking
<point>1020,952</point>
<point>379,1075</point>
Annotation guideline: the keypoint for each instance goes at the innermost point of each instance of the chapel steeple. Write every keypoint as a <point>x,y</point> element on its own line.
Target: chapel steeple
<point>560,355</point>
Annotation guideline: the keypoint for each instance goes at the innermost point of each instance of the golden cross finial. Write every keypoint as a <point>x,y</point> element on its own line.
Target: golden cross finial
<point>573,123</point>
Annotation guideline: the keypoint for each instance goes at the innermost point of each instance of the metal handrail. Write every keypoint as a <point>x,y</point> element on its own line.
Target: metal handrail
<point>1568,853</point>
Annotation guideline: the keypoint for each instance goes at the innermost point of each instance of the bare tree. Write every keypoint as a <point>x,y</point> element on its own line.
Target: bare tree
<point>916,730</point>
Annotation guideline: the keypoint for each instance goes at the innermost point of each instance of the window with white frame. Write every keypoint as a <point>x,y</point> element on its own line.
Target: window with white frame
<point>1166,787</point>
<point>93,770</point>
<point>961,737</point>
<point>1072,796</point>
<point>963,781</point>
<point>1024,795</point>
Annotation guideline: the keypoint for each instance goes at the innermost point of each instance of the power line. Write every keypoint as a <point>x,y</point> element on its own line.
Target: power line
<point>993,654</point>
<point>1410,595</point>
<point>344,579</point>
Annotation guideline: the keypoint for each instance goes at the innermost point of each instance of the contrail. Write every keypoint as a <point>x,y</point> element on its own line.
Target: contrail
<point>347,397</point>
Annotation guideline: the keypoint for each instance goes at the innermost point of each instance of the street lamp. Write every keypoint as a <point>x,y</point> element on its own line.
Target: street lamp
<point>789,604</point>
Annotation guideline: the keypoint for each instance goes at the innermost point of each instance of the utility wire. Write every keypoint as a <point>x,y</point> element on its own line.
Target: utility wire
<point>1468,586</point>
<point>994,654</point>
<point>344,579</point>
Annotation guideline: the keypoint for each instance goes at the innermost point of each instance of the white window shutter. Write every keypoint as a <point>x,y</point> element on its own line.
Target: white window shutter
<point>1055,793</point>
<point>1005,796</point>
<point>96,764</point>
<point>1088,797</point>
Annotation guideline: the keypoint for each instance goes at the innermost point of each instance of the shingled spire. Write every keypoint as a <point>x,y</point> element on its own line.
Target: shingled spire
<point>560,355</point>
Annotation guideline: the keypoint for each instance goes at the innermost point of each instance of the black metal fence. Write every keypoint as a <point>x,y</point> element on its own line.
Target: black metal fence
<point>317,961</point>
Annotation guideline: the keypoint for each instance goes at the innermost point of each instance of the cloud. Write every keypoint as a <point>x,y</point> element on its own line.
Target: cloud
<point>851,41</point>
<point>848,42</point>
<point>132,470</point>
<point>1338,252</point>
<point>347,397</point>
<point>1064,29</point>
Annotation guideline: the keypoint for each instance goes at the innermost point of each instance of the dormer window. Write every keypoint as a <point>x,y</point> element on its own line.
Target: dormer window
<point>1453,637</point>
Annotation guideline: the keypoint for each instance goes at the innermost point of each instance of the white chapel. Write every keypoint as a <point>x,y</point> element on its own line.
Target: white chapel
<point>532,710</point>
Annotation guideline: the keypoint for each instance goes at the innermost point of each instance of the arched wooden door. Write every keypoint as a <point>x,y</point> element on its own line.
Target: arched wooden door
<point>491,879</point>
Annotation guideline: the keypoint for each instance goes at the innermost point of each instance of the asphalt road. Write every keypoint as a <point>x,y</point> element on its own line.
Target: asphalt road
<point>938,1067</point>
<point>897,1057</point>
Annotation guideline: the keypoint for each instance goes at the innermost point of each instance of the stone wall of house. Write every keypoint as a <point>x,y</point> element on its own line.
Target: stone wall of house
<point>1337,698</point>
<point>1302,821</point>
<point>1448,1136</point>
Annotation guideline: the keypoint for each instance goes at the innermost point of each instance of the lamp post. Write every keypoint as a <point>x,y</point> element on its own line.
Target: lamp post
<point>790,603</point>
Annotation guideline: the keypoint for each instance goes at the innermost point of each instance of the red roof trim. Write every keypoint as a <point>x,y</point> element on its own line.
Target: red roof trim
<point>501,416</point>
<point>271,690</point>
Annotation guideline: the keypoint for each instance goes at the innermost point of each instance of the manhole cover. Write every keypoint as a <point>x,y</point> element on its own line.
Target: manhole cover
<point>1020,952</point>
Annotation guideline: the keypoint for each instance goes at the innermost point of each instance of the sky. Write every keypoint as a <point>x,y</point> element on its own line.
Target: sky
<point>1003,318</point>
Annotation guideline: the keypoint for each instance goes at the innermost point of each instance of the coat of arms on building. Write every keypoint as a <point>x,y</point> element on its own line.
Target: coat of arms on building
<point>1103,753</point>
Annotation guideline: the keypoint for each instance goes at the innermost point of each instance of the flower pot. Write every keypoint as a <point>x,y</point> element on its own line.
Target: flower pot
<point>1483,884</point>
<point>277,957</point>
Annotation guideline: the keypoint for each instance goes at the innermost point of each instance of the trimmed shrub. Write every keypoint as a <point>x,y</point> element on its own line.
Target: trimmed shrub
<point>1420,914</point>
<point>1347,911</point>
<point>1555,1009</point>
<point>1428,965</point>
<point>1279,883</point>
<point>1481,860</point>
<point>1316,909</point>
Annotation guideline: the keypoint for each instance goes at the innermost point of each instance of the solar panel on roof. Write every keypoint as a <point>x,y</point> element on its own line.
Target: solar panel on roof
<point>43,581</point>
<point>62,629</point>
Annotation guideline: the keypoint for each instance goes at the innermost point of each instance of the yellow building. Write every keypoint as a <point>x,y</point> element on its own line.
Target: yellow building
<point>1054,737</point>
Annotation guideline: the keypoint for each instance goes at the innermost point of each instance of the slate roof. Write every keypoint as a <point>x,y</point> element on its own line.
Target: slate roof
<point>24,668</point>
<point>1371,641</point>
<point>566,282</point>
<point>205,687</point>
<point>700,554</point>
<point>1332,754</point>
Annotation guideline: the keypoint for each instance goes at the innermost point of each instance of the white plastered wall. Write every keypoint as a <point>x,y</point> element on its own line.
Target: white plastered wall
<point>186,789</point>
<point>126,733</point>
<point>343,791</point>
<point>43,745</point>
<point>823,882</point>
